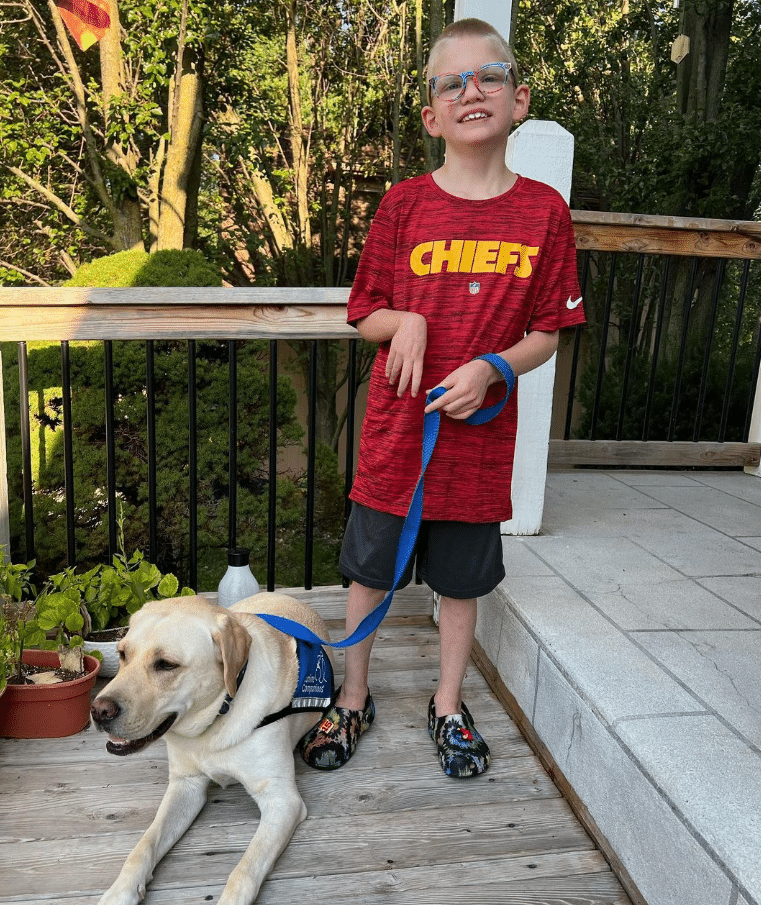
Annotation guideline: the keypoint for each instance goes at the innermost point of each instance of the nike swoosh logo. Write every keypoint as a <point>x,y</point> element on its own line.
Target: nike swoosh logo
<point>571,304</point>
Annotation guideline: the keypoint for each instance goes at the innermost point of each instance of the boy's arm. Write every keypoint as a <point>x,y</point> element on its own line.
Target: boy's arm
<point>467,385</point>
<point>408,333</point>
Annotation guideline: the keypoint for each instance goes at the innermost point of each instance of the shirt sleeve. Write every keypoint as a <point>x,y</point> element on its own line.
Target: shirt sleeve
<point>559,303</point>
<point>373,286</point>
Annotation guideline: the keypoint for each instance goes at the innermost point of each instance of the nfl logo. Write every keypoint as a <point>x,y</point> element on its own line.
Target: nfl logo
<point>475,288</point>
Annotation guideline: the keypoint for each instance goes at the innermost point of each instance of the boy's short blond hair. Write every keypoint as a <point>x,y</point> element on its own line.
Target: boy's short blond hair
<point>474,28</point>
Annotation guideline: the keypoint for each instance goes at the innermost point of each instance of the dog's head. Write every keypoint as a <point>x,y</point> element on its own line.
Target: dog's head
<point>176,662</point>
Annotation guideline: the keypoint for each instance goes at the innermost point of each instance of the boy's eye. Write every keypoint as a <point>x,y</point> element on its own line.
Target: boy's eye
<point>492,76</point>
<point>449,84</point>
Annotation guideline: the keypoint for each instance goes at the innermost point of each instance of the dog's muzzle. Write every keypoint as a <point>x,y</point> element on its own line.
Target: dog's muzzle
<point>105,710</point>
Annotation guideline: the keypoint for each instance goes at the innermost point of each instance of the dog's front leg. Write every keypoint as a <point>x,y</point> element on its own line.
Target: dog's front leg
<point>182,801</point>
<point>282,810</point>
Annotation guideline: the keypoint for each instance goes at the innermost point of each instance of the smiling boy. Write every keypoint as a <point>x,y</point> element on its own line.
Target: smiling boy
<point>467,260</point>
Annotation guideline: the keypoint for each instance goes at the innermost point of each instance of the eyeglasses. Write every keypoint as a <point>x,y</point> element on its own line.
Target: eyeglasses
<point>489,79</point>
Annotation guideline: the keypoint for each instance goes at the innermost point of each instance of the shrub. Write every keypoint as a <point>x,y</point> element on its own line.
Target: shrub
<point>139,268</point>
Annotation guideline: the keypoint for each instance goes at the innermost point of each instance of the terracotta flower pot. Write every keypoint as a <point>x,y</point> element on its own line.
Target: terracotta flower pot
<point>47,711</point>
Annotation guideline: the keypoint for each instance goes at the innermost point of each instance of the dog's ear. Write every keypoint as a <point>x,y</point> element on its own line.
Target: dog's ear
<point>234,642</point>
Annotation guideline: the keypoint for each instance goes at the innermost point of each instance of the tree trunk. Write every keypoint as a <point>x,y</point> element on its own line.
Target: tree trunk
<point>299,149</point>
<point>128,231</point>
<point>701,74</point>
<point>182,151</point>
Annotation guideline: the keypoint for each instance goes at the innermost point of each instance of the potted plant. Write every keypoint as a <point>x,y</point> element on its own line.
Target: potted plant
<point>15,585</point>
<point>108,595</point>
<point>47,678</point>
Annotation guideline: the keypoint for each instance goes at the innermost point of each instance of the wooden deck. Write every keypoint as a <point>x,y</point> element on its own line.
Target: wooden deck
<point>389,827</point>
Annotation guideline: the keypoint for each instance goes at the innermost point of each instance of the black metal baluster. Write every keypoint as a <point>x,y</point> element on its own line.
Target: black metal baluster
<point>311,459</point>
<point>351,417</point>
<point>110,447</point>
<point>68,455</point>
<point>26,451</point>
<point>656,349</point>
<point>753,384</point>
<point>233,454</point>
<point>707,352</point>
<point>150,394</point>
<point>603,346</point>
<point>193,464</point>
<point>682,349</point>
<point>272,488</point>
<point>733,353</point>
<point>632,340</point>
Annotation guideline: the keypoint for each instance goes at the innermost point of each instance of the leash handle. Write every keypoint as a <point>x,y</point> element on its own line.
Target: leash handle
<point>411,526</point>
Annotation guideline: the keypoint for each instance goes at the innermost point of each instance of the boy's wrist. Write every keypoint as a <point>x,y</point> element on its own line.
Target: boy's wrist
<point>499,369</point>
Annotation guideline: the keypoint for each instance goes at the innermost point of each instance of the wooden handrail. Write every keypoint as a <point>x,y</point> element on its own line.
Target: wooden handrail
<point>647,234</point>
<point>171,313</point>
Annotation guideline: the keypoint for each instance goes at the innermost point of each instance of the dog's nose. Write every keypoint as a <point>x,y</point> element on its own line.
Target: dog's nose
<point>104,710</point>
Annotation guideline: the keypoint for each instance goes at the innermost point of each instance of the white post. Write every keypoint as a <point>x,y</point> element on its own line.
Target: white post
<point>754,435</point>
<point>544,151</point>
<point>496,12</point>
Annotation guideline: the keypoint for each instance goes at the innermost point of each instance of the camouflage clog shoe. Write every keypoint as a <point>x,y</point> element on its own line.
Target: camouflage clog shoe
<point>334,739</point>
<point>461,749</point>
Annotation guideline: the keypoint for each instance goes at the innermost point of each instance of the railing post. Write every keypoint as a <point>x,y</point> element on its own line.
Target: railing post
<point>754,434</point>
<point>5,517</point>
<point>544,151</point>
<point>496,12</point>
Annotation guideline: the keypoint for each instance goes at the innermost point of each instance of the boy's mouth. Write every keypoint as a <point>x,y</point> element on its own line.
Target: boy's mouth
<point>475,115</point>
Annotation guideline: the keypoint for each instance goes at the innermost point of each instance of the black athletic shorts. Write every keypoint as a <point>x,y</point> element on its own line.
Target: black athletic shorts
<point>455,559</point>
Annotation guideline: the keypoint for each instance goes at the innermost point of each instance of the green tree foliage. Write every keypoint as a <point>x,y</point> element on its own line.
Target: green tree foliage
<point>652,136</point>
<point>100,151</point>
<point>655,136</point>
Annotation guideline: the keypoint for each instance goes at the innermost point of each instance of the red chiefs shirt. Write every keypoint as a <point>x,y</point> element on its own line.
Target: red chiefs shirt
<point>483,274</point>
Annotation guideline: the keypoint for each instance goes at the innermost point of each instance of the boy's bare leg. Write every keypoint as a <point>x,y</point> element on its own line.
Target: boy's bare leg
<point>361,602</point>
<point>457,631</point>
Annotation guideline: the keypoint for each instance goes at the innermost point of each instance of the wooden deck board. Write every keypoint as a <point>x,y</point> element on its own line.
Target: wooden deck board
<point>389,827</point>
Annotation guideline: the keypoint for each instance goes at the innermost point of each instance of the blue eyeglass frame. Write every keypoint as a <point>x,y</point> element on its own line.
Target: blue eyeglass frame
<point>507,67</point>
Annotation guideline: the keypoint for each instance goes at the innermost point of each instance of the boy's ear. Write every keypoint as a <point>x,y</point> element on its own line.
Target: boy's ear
<point>522,99</point>
<point>430,122</point>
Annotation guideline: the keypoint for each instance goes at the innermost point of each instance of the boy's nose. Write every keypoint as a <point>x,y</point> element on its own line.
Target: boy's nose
<point>472,88</point>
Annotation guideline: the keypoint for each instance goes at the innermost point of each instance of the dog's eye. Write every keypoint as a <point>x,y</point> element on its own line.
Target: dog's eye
<point>165,665</point>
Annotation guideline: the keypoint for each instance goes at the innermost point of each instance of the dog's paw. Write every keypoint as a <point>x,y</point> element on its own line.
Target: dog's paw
<point>118,894</point>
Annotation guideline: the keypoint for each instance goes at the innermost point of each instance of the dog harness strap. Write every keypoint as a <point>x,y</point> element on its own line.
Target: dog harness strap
<point>411,526</point>
<point>314,689</point>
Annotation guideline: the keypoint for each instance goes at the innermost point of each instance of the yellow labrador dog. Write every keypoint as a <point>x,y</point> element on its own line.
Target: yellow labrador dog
<point>219,685</point>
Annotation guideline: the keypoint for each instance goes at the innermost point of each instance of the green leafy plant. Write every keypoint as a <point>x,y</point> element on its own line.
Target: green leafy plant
<point>18,623</point>
<point>111,594</point>
<point>71,605</point>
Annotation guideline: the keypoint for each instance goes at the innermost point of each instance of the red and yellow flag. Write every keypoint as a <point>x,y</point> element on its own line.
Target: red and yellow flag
<point>87,20</point>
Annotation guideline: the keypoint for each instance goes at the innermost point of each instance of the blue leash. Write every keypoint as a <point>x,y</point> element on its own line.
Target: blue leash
<point>411,526</point>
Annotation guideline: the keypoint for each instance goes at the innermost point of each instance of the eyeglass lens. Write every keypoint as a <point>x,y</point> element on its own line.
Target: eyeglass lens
<point>489,78</point>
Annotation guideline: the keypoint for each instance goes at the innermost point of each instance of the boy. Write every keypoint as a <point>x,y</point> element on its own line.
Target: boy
<point>467,260</point>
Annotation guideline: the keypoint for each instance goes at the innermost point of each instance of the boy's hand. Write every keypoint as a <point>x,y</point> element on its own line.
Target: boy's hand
<point>465,389</point>
<point>407,351</point>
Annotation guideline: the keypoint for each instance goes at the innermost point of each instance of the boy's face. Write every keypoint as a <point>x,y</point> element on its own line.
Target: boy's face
<point>476,117</point>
